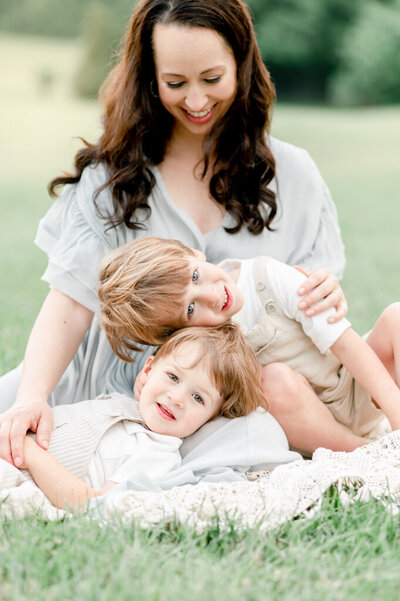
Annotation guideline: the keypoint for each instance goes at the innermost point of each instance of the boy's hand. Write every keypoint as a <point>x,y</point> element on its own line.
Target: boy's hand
<point>322,288</point>
<point>29,449</point>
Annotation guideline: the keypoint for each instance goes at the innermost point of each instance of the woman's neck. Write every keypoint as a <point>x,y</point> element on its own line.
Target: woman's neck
<point>183,142</point>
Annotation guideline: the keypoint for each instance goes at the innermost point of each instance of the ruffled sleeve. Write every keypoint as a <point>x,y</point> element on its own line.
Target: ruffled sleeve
<point>308,222</point>
<point>75,238</point>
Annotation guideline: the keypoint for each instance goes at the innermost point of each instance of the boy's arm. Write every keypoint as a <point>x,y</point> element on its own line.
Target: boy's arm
<point>365,367</point>
<point>63,489</point>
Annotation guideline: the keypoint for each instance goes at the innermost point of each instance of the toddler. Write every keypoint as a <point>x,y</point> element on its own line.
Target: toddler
<point>197,374</point>
<point>152,286</point>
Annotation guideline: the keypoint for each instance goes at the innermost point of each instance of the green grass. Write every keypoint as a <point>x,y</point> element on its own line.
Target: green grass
<point>342,553</point>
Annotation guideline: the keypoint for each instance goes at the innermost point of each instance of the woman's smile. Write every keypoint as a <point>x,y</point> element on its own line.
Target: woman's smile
<point>196,75</point>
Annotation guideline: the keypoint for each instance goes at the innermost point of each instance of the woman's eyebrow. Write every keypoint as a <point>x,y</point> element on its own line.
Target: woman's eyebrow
<point>201,73</point>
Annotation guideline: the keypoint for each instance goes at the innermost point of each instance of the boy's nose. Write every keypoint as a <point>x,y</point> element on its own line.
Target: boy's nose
<point>176,398</point>
<point>210,296</point>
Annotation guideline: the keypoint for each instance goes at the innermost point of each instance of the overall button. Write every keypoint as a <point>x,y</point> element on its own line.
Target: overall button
<point>270,306</point>
<point>260,286</point>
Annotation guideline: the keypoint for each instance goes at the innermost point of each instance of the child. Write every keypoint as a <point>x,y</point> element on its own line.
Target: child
<point>152,286</point>
<point>196,375</point>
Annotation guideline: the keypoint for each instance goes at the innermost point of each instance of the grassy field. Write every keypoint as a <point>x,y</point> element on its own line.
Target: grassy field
<point>342,553</point>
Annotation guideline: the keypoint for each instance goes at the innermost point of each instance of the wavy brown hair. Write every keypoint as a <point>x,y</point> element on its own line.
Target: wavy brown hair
<point>137,127</point>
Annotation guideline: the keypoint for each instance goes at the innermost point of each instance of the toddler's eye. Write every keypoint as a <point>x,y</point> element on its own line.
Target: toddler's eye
<point>190,310</point>
<point>172,377</point>
<point>198,398</point>
<point>195,276</point>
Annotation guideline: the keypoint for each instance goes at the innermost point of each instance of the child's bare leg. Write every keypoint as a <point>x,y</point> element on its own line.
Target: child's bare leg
<point>384,339</point>
<point>307,422</point>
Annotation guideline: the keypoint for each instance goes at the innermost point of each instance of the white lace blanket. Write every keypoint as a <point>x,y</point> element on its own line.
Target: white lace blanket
<point>267,500</point>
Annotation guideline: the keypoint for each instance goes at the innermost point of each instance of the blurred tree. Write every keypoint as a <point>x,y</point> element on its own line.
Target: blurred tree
<point>42,17</point>
<point>370,58</point>
<point>58,18</point>
<point>300,41</point>
<point>100,36</point>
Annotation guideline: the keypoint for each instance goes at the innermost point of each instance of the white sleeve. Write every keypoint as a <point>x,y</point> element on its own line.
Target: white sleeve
<point>156,454</point>
<point>284,282</point>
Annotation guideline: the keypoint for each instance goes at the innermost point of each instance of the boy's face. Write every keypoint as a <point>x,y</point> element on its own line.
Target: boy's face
<point>212,296</point>
<point>178,397</point>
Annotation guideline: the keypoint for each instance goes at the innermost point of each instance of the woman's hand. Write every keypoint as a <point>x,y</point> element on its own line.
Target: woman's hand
<point>54,340</point>
<point>14,424</point>
<point>322,288</point>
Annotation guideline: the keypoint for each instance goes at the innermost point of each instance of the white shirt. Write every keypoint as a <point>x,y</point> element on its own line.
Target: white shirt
<point>128,447</point>
<point>284,281</point>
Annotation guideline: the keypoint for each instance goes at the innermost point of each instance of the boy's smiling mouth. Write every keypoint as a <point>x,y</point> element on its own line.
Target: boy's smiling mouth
<point>165,412</point>
<point>228,300</point>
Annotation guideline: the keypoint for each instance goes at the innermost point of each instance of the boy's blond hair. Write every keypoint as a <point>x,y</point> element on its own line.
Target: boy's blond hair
<point>139,282</point>
<point>230,362</point>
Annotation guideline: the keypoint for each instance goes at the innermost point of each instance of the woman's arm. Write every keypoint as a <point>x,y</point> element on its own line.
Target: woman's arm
<point>63,489</point>
<point>365,367</point>
<point>54,340</point>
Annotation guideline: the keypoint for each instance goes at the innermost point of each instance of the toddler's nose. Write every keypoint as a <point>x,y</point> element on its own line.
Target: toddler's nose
<point>176,398</point>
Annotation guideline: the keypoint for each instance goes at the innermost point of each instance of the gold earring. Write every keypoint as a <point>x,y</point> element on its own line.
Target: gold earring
<point>153,93</point>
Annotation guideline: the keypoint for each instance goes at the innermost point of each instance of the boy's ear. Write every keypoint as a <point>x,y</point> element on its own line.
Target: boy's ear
<point>197,253</point>
<point>147,366</point>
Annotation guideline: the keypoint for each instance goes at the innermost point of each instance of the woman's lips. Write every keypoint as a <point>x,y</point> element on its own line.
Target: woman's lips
<point>165,414</point>
<point>203,119</point>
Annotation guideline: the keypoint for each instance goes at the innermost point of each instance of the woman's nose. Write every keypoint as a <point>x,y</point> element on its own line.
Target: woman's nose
<point>196,100</point>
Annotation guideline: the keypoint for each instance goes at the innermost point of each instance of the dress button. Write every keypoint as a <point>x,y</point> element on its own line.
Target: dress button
<point>260,286</point>
<point>270,307</point>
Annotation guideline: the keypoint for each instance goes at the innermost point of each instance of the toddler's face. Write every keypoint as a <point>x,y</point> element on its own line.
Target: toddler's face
<point>178,397</point>
<point>212,296</point>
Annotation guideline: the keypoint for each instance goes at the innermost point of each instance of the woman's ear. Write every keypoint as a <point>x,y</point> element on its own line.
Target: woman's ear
<point>197,253</point>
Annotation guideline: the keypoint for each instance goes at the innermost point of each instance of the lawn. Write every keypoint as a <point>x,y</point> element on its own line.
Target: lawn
<point>341,553</point>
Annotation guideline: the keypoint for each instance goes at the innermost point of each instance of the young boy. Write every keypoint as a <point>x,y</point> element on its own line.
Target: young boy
<point>197,374</point>
<point>152,286</point>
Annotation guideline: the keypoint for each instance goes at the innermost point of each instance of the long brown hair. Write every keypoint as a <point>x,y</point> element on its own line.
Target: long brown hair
<point>137,127</point>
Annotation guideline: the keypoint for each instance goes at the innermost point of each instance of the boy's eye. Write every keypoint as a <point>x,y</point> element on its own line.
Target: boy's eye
<point>172,377</point>
<point>190,310</point>
<point>198,398</point>
<point>195,276</point>
<point>174,84</point>
<point>213,79</point>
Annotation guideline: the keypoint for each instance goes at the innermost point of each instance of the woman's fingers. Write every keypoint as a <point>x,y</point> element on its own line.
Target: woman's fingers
<point>14,425</point>
<point>5,449</point>
<point>321,291</point>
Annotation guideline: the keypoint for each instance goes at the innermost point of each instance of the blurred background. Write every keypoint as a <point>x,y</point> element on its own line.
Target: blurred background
<point>336,66</point>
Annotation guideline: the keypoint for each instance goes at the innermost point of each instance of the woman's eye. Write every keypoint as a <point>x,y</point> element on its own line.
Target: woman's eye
<point>190,309</point>
<point>174,84</point>
<point>213,79</point>
<point>195,276</point>
<point>198,398</point>
<point>172,377</point>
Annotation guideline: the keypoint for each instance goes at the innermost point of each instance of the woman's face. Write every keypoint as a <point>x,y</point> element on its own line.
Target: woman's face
<point>196,75</point>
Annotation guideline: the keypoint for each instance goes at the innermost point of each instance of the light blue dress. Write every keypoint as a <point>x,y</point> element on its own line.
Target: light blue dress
<point>306,232</point>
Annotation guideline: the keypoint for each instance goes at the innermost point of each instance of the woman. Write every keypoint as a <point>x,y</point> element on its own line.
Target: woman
<point>184,154</point>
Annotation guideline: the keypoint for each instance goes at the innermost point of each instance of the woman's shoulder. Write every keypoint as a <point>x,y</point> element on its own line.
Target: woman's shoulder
<point>289,155</point>
<point>295,169</point>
